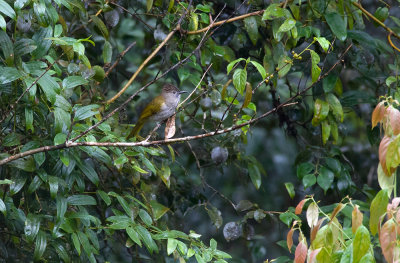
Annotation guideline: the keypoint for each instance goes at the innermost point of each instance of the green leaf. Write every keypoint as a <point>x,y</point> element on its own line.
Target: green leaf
<point>273,11</point>
<point>61,207</point>
<point>85,112</point>
<point>107,52</point>
<point>146,218</point>
<point>3,23</point>
<point>290,189</point>
<point>251,26</point>
<point>3,207</point>
<point>90,173</point>
<point>29,119</point>
<point>75,241</point>
<point>158,209</point>
<point>323,42</point>
<point>325,178</point>
<point>147,239</point>
<point>62,120</point>
<point>149,5</point>
<point>335,106</point>
<point>27,164</point>
<point>73,81</point>
<point>377,209</point>
<point>40,245</point>
<point>7,47</point>
<point>232,64</point>
<point>49,86</point>
<point>104,196</point>
<point>32,226</point>
<point>9,74</point>
<point>315,70</point>
<point>215,216</point>
<point>326,131</point>
<point>43,43</point>
<point>81,200</point>
<point>361,243</point>
<point>304,169</point>
<point>287,25</point>
<point>61,252</point>
<point>6,9</point>
<point>24,46</point>
<point>309,180</point>
<point>321,110</point>
<point>85,242</point>
<point>337,25</point>
<point>284,66</point>
<point>19,180</point>
<point>133,235</point>
<point>239,80</point>
<point>35,184</point>
<point>60,138</point>
<point>11,140</point>
<point>255,175</point>
<point>100,25</point>
<point>260,69</point>
<point>171,245</point>
<point>329,82</point>
<point>53,185</point>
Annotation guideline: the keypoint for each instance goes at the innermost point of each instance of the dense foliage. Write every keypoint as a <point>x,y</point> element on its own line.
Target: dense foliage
<point>289,103</point>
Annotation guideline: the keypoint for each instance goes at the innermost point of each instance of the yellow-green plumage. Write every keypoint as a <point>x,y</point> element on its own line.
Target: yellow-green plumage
<point>150,110</point>
<point>159,109</point>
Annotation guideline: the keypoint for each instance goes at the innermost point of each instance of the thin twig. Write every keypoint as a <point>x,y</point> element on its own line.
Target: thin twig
<point>119,58</point>
<point>150,57</point>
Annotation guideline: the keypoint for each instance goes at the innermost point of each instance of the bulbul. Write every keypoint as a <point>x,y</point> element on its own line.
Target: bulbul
<point>159,109</point>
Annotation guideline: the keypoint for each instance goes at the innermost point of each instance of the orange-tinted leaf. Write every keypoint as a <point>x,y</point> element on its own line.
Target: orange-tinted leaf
<point>170,127</point>
<point>394,117</point>
<point>395,202</point>
<point>356,219</point>
<point>337,210</point>
<point>312,214</point>
<point>378,113</point>
<point>299,207</point>
<point>313,255</point>
<point>289,239</point>
<point>301,253</point>
<point>387,238</point>
<point>315,229</point>
<point>248,95</point>
<point>383,147</point>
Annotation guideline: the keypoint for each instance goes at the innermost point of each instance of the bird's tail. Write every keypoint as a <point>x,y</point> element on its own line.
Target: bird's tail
<point>135,131</point>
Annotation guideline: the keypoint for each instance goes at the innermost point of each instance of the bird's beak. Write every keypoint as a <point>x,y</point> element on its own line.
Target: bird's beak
<point>182,91</point>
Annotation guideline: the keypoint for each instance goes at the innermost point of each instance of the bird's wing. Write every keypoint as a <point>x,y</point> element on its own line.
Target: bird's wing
<point>152,108</point>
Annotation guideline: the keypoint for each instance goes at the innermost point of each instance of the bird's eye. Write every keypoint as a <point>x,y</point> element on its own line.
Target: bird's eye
<point>174,92</point>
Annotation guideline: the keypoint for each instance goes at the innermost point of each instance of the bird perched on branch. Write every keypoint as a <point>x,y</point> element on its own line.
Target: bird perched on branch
<point>159,109</point>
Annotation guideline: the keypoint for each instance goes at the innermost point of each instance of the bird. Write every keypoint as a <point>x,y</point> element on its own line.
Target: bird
<point>159,109</point>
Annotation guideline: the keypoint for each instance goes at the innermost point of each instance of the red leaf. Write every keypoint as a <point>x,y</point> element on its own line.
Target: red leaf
<point>387,238</point>
<point>301,253</point>
<point>315,229</point>
<point>313,255</point>
<point>299,207</point>
<point>289,239</point>
<point>336,210</point>
<point>378,113</point>
<point>383,146</point>
<point>394,117</point>
<point>356,219</point>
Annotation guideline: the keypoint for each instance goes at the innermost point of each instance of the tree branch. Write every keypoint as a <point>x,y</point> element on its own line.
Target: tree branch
<point>71,144</point>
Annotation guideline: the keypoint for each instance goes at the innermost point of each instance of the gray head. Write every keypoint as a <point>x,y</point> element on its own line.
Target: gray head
<point>172,94</point>
<point>169,88</point>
